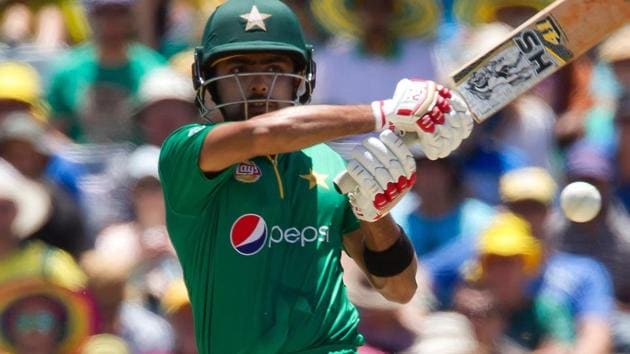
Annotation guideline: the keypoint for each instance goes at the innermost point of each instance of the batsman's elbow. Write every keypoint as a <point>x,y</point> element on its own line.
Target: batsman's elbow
<point>400,290</point>
<point>402,293</point>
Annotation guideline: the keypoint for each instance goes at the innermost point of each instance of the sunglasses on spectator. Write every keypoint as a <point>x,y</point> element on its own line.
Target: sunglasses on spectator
<point>42,322</point>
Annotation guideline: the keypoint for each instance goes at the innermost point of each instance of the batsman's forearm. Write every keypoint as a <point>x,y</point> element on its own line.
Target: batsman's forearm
<point>379,236</point>
<point>295,128</point>
<point>286,130</point>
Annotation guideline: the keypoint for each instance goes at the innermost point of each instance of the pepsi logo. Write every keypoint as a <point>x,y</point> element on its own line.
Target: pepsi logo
<point>248,234</point>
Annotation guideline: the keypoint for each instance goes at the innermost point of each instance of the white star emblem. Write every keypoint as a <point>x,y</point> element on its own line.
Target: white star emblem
<point>255,19</point>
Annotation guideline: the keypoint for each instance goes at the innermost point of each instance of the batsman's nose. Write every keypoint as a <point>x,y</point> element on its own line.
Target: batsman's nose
<point>259,85</point>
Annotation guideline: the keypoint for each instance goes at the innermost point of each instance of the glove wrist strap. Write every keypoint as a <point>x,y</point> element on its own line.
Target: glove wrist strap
<point>379,111</point>
<point>391,261</point>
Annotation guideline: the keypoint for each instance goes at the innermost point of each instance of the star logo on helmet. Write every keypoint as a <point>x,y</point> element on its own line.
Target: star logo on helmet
<point>255,19</point>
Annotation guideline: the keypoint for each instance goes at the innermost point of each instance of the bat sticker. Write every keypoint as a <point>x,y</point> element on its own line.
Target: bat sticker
<point>483,82</point>
<point>500,76</point>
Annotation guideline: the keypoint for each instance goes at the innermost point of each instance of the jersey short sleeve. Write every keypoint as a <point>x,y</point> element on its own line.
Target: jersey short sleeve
<point>596,298</point>
<point>580,281</point>
<point>187,189</point>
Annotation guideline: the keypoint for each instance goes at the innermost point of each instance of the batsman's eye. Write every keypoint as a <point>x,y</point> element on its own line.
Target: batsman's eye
<point>275,69</point>
<point>236,70</point>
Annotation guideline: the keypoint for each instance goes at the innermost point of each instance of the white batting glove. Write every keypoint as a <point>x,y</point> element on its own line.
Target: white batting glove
<point>384,170</point>
<point>438,116</point>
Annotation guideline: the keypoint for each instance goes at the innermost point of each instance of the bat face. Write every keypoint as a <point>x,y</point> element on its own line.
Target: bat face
<point>535,50</point>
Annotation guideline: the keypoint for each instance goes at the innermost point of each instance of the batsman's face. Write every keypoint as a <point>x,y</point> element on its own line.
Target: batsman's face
<point>255,76</point>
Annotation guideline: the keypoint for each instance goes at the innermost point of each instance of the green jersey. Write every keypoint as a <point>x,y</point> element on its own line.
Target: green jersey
<point>542,319</point>
<point>260,244</point>
<point>96,102</point>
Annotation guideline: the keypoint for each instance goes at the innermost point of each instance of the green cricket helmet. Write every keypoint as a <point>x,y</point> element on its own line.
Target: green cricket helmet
<point>250,26</point>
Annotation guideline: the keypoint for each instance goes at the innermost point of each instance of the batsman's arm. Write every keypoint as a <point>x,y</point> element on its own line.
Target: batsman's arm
<point>282,131</point>
<point>379,236</point>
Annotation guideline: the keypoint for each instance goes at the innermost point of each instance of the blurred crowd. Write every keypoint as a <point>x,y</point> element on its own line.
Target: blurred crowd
<point>89,89</point>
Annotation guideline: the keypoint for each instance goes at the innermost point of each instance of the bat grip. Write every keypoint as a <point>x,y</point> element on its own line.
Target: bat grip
<point>344,183</point>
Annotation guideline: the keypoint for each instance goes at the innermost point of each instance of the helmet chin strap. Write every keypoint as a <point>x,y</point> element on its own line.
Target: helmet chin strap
<point>206,111</point>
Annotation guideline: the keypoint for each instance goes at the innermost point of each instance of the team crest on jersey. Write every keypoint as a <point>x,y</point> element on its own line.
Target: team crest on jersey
<point>247,172</point>
<point>248,234</point>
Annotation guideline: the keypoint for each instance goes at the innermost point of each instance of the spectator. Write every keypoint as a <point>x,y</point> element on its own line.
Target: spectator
<point>447,333</point>
<point>482,310</point>
<point>41,318</point>
<point>509,258</point>
<point>313,30</point>
<point>19,89</point>
<point>178,310</point>
<point>376,42</point>
<point>33,32</point>
<point>510,12</point>
<point>166,102</point>
<point>170,26</point>
<point>606,237</point>
<point>582,94</point>
<point>143,242</point>
<point>382,38</point>
<point>31,267</point>
<point>581,283</point>
<point>46,23</point>
<point>449,216</point>
<point>504,143</point>
<point>144,331</point>
<point>387,326</point>
<point>616,52</point>
<point>93,87</point>
<point>25,208</point>
<point>25,144</point>
<point>105,344</point>
<point>622,118</point>
<point>521,134</point>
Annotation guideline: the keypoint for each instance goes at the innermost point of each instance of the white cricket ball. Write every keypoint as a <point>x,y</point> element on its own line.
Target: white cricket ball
<point>580,201</point>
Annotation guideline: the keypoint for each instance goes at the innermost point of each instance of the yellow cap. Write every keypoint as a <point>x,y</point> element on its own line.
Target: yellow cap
<point>617,46</point>
<point>105,344</point>
<point>485,11</point>
<point>20,82</point>
<point>510,235</point>
<point>529,183</point>
<point>175,297</point>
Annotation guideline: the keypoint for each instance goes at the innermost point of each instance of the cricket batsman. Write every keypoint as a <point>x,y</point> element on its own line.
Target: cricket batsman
<point>251,207</point>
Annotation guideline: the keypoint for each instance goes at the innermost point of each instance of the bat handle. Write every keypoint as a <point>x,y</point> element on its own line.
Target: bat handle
<point>344,183</point>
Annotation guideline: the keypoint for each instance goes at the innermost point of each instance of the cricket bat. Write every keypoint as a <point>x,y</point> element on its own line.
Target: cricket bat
<point>542,45</point>
<point>549,40</point>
